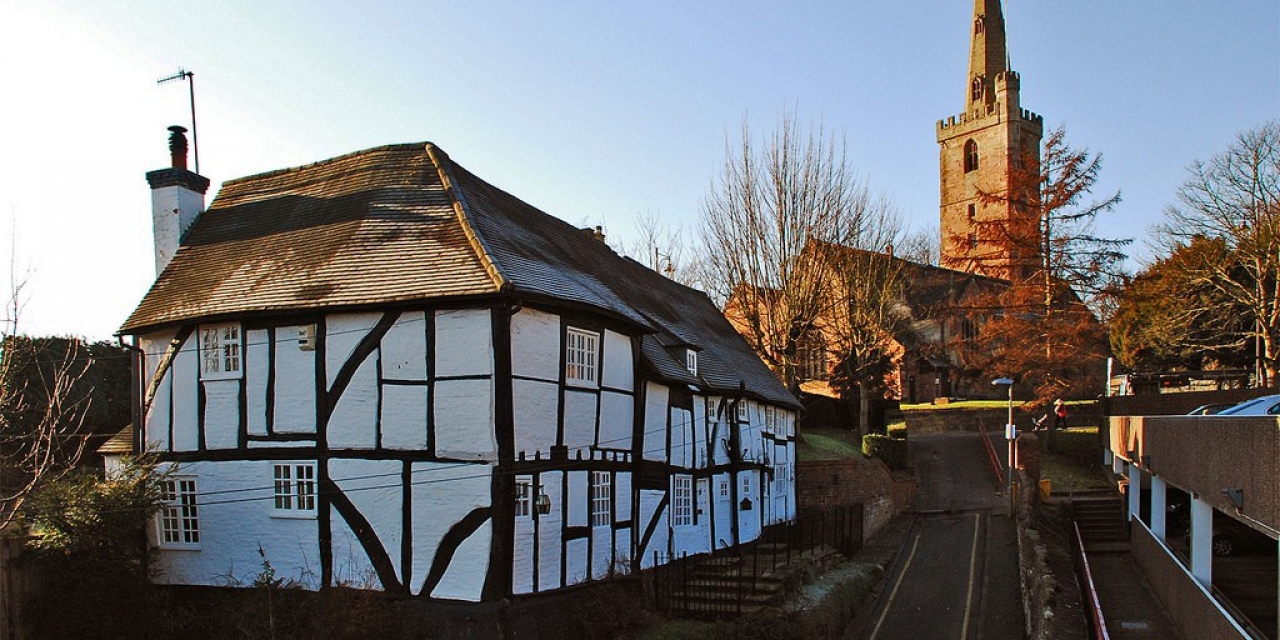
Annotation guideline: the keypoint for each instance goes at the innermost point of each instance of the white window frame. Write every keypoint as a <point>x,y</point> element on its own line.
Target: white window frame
<point>581,357</point>
<point>178,522</point>
<point>681,501</point>
<point>746,486</point>
<point>724,491</point>
<point>744,411</point>
<point>601,498</point>
<point>691,361</point>
<point>524,499</point>
<point>221,349</point>
<point>293,489</point>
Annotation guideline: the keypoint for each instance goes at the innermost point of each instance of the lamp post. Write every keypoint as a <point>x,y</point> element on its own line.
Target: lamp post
<point>1010,433</point>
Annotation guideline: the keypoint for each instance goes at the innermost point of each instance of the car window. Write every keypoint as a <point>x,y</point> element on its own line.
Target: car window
<point>1273,409</point>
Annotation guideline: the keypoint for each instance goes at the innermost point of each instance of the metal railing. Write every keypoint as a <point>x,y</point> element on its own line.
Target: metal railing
<point>1098,622</point>
<point>736,580</point>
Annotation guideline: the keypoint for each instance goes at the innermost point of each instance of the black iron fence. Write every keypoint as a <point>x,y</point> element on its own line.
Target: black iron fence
<point>742,579</point>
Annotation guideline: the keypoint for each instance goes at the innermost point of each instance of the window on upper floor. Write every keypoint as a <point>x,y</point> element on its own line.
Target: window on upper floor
<point>973,213</point>
<point>220,351</point>
<point>178,521</point>
<point>682,501</point>
<point>524,499</point>
<point>970,156</point>
<point>294,488</point>
<point>581,351</point>
<point>976,89</point>
<point>601,498</point>
<point>691,361</point>
<point>744,411</point>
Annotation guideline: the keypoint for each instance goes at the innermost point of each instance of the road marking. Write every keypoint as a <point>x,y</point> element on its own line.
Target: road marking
<point>892,594</point>
<point>968,598</point>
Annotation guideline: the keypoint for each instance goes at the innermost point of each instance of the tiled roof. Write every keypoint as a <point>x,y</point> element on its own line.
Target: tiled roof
<point>120,443</point>
<point>403,223</point>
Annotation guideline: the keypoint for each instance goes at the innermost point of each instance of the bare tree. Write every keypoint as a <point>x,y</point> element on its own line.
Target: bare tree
<point>760,225</point>
<point>42,419</point>
<point>663,249</point>
<point>865,310</point>
<point>1234,199</point>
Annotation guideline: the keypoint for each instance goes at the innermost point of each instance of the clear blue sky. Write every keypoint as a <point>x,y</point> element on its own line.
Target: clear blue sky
<point>593,111</point>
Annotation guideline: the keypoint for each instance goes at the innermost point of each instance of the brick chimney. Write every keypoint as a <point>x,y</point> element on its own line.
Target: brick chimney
<point>177,199</point>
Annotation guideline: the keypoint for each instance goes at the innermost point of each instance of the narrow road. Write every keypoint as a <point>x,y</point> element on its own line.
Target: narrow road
<point>957,573</point>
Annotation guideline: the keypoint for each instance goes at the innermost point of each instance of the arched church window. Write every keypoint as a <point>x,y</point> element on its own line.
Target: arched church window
<point>977,89</point>
<point>970,156</point>
<point>979,25</point>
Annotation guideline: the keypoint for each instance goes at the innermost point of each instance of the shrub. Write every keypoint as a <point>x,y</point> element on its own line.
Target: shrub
<point>897,430</point>
<point>892,451</point>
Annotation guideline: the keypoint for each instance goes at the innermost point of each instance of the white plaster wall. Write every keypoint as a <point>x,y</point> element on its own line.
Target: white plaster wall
<point>524,543</point>
<point>535,405</point>
<point>351,565</point>
<point>404,348</point>
<point>576,561</point>
<point>619,364</point>
<point>577,503</point>
<point>535,345</point>
<point>257,368</point>
<point>682,447</point>
<point>462,580</point>
<point>617,413</point>
<point>655,422</point>
<point>579,420</point>
<point>295,384</point>
<point>374,487</point>
<point>157,419</point>
<point>352,425</point>
<point>443,494</point>
<point>701,433</point>
<point>235,507</point>
<point>464,419</point>
<point>464,343</point>
<point>649,502</point>
<point>222,413</point>
<point>549,533</point>
<point>173,210</point>
<point>601,551</point>
<point>404,417</point>
<point>343,332</point>
<point>185,373</point>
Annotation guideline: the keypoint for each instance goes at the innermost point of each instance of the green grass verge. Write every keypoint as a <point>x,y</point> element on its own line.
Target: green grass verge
<point>828,444</point>
<point>1075,464</point>
<point>961,405</point>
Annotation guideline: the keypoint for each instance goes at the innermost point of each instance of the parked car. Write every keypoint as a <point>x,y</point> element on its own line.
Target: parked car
<point>1230,536</point>
<point>1210,409</point>
<point>1261,406</point>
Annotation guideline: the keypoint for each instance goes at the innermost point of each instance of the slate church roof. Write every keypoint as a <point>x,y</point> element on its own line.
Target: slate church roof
<point>403,223</point>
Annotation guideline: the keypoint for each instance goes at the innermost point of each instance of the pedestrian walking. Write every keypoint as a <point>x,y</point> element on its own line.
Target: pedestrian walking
<point>1060,411</point>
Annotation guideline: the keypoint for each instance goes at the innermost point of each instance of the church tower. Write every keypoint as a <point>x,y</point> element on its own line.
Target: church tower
<point>982,148</point>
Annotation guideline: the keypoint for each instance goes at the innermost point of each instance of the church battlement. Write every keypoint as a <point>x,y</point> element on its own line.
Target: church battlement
<point>980,118</point>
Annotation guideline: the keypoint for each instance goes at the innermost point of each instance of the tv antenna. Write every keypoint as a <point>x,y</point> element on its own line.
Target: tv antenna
<point>190,77</point>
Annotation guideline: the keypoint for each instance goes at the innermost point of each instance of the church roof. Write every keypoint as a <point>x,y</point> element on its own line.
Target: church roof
<point>403,223</point>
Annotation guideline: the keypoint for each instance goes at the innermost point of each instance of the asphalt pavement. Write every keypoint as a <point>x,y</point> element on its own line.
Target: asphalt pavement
<point>954,570</point>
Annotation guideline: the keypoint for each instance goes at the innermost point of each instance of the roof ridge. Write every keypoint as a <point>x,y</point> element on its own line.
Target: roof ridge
<point>326,161</point>
<point>442,163</point>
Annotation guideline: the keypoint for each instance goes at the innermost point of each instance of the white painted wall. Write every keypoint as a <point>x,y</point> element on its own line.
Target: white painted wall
<point>235,512</point>
<point>295,383</point>
<point>404,348</point>
<point>442,494</point>
<point>352,424</point>
<point>464,419</point>
<point>535,345</point>
<point>464,343</point>
<point>655,422</point>
<point>619,363</point>
<point>536,410</point>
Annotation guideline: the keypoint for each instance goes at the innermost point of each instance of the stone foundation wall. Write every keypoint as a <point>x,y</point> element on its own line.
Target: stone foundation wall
<point>824,484</point>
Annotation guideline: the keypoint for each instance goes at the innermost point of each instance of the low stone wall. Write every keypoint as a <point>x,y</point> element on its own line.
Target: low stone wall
<point>1050,591</point>
<point>941,420</point>
<point>824,484</point>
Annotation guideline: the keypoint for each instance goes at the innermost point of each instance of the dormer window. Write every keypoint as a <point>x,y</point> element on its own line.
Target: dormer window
<point>691,361</point>
<point>220,352</point>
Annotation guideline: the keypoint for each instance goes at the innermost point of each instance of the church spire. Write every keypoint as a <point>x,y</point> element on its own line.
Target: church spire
<point>988,56</point>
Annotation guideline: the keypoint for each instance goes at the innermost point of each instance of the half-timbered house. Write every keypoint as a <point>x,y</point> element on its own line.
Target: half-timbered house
<point>381,371</point>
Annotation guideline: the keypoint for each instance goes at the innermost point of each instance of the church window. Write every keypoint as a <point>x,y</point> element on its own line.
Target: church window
<point>970,156</point>
<point>979,24</point>
<point>973,213</point>
<point>976,90</point>
<point>973,241</point>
